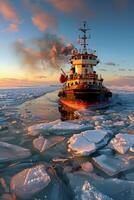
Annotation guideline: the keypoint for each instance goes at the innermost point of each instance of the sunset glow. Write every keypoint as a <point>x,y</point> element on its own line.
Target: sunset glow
<point>34,36</point>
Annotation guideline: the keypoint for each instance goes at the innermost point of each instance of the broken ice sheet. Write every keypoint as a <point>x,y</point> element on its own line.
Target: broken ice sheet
<point>43,144</point>
<point>131,117</point>
<point>10,152</point>
<point>112,187</point>
<point>90,192</point>
<point>114,164</point>
<point>58,127</point>
<point>88,141</point>
<point>122,142</point>
<point>29,181</point>
<point>83,188</point>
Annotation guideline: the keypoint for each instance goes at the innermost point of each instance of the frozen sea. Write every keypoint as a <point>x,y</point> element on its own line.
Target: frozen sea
<point>36,162</point>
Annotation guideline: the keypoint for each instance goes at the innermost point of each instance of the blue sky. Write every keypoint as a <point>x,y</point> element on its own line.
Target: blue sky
<point>112,32</point>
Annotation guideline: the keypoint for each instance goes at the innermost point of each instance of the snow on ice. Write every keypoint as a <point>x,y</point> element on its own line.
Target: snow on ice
<point>122,142</point>
<point>29,181</point>
<point>58,127</point>
<point>88,141</point>
<point>90,192</point>
<point>114,164</point>
<point>42,144</point>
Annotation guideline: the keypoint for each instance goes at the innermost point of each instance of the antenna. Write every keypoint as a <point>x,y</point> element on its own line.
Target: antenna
<point>84,37</point>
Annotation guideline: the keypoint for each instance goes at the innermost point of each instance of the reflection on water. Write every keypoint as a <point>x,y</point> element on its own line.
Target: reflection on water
<point>68,109</point>
<point>67,113</point>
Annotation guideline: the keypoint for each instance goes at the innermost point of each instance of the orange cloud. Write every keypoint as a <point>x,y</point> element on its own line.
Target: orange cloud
<point>122,81</point>
<point>8,11</point>
<point>43,20</point>
<point>12,28</point>
<point>40,18</point>
<point>14,82</point>
<point>66,5</point>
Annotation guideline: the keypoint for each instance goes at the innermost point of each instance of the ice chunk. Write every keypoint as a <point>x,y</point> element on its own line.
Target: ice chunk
<point>10,152</point>
<point>29,181</point>
<point>91,193</point>
<point>113,164</point>
<point>131,117</point>
<point>98,117</point>
<point>110,187</point>
<point>35,129</point>
<point>58,127</point>
<point>122,142</point>
<point>43,144</point>
<point>87,142</point>
<point>83,188</point>
<point>119,123</point>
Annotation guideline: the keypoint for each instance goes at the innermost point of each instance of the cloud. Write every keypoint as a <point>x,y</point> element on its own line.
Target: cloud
<point>129,77</point>
<point>29,57</point>
<point>130,70</point>
<point>110,63</point>
<point>122,81</point>
<point>78,8</point>
<point>102,69</point>
<point>13,82</point>
<point>66,5</point>
<point>43,20</point>
<point>47,52</point>
<point>9,13</point>
<point>40,17</point>
<point>122,69</point>
<point>12,28</point>
<point>40,77</point>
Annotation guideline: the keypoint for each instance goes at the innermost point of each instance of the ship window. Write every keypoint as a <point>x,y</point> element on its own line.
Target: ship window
<point>85,71</point>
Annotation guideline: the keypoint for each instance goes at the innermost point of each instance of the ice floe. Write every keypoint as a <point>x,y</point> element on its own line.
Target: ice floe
<point>10,152</point>
<point>131,117</point>
<point>42,144</point>
<point>91,193</point>
<point>114,164</point>
<point>119,123</point>
<point>83,188</point>
<point>122,142</point>
<point>58,127</point>
<point>29,181</point>
<point>88,141</point>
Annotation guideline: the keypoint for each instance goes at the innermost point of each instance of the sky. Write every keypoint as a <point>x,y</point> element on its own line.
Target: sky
<point>33,32</point>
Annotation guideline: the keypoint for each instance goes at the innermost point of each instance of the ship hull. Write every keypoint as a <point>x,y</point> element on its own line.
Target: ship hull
<point>83,98</point>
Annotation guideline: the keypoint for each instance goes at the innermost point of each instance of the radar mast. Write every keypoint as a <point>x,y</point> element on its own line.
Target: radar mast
<point>83,38</point>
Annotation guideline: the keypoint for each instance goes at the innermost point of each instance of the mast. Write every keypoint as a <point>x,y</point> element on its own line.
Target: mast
<point>83,39</point>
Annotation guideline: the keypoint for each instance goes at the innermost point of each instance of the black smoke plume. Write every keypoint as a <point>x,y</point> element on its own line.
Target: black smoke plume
<point>48,51</point>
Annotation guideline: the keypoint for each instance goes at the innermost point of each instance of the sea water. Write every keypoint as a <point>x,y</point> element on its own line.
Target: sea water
<point>39,166</point>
